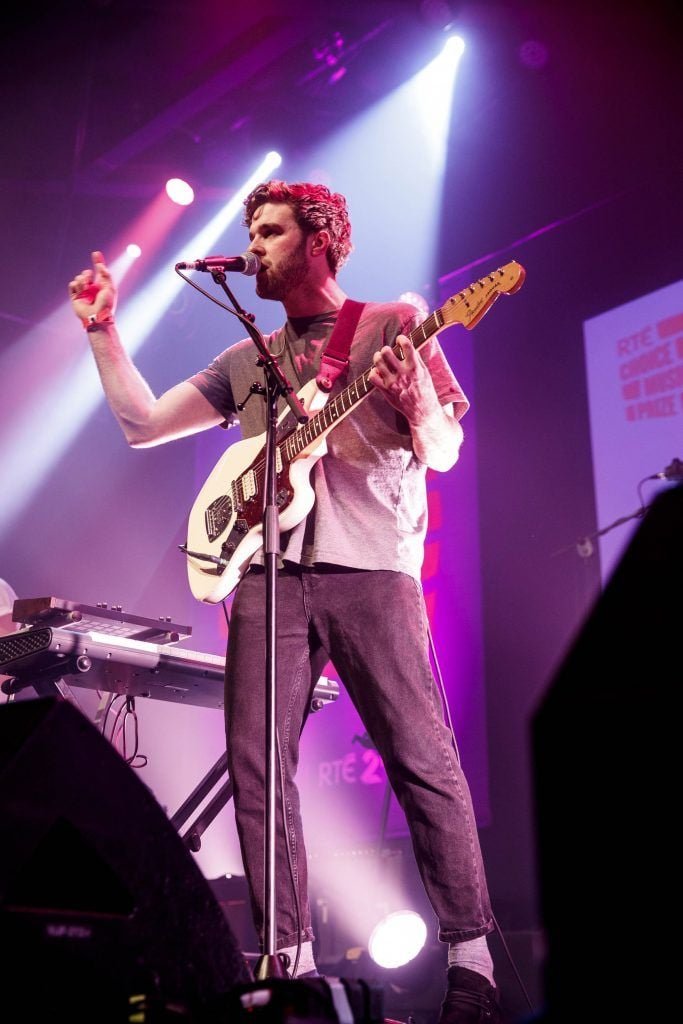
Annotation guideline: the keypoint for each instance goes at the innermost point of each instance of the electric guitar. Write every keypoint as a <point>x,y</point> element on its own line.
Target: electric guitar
<point>225,523</point>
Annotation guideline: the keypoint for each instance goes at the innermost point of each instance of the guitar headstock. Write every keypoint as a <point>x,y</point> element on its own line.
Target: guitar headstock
<point>472,303</point>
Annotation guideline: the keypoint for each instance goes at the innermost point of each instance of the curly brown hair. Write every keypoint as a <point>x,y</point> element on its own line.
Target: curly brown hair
<point>315,208</point>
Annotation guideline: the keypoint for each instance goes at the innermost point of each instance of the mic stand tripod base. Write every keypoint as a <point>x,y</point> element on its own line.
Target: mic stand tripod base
<point>271,965</point>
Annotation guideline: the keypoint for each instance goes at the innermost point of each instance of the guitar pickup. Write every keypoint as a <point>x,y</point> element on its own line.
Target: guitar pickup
<point>217,516</point>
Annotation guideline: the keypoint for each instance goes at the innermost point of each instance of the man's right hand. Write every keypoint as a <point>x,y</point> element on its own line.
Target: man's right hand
<point>92,292</point>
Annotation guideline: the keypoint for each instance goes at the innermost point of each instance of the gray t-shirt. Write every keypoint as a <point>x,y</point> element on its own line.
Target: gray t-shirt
<point>370,508</point>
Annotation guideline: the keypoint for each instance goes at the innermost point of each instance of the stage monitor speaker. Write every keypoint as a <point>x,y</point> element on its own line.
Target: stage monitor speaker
<point>103,911</point>
<point>606,741</point>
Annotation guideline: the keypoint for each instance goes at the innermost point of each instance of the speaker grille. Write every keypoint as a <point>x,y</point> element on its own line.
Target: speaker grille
<point>21,645</point>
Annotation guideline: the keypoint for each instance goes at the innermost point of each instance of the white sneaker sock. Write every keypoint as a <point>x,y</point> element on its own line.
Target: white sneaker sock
<point>306,961</point>
<point>473,954</point>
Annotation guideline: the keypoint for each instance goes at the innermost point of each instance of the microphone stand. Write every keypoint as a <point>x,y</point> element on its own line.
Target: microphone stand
<point>269,965</point>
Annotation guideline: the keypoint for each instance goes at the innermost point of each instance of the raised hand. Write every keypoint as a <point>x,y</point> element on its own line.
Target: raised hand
<point>93,293</point>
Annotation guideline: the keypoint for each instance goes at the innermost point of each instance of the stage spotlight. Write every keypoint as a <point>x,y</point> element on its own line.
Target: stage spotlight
<point>272,160</point>
<point>454,47</point>
<point>179,191</point>
<point>73,390</point>
<point>134,251</point>
<point>397,939</point>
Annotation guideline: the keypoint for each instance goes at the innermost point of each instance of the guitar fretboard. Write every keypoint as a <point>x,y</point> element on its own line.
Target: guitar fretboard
<point>467,307</point>
<point>342,404</point>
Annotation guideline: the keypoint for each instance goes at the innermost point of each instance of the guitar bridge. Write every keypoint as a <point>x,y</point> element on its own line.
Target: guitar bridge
<point>217,516</point>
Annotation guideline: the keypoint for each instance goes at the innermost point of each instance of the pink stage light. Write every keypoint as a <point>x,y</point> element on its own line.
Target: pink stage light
<point>179,191</point>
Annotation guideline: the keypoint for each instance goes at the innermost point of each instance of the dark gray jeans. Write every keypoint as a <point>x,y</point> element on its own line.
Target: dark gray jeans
<point>372,626</point>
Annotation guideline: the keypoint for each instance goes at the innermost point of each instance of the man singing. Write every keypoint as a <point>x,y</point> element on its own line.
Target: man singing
<point>349,578</point>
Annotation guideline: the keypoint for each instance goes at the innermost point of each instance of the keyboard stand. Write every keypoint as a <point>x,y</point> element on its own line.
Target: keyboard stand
<point>192,837</point>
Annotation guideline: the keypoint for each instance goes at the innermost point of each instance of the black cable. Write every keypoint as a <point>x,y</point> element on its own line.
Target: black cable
<point>513,965</point>
<point>442,688</point>
<point>105,714</point>
<point>127,709</point>
<point>240,316</point>
<point>295,887</point>
<point>643,506</point>
<point>136,760</point>
<point>444,698</point>
<point>115,697</point>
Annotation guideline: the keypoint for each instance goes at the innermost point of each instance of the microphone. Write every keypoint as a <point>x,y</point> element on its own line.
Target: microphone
<point>674,471</point>
<point>248,263</point>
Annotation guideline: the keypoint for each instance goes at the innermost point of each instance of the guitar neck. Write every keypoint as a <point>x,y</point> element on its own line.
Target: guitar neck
<point>466,308</point>
<point>343,403</point>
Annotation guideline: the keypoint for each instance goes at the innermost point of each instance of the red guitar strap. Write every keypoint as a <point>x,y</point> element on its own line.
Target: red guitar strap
<point>335,358</point>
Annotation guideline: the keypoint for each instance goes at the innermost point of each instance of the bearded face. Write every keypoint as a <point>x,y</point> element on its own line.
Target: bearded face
<point>286,272</point>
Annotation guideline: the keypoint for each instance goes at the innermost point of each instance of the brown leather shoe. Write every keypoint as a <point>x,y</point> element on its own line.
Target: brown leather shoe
<point>469,999</point>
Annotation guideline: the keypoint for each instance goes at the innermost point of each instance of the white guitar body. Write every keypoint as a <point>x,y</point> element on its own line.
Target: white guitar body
<point>225,527</point>
<point>209,580</point>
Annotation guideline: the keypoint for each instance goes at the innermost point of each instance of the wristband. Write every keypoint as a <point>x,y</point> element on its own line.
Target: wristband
<point>105,316</point>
